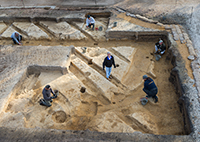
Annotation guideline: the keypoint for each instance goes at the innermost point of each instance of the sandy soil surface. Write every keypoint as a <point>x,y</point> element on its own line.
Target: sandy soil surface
<point>93,109</point>
<point>87,110</point>
<point>181,47</point>
<point>183,12</point>
<point>139,22</point>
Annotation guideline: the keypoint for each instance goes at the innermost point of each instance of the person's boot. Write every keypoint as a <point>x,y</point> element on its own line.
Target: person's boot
<point>156,99</point>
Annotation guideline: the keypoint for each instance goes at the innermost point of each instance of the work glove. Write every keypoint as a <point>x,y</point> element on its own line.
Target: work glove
<point>159,51</point>
<point>54,97</point>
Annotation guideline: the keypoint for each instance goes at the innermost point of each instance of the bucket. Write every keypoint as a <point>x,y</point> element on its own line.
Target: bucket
<point>84,49</point>
<point>100,28</point>
<point>144,101</point>
<point>158,57</point>
<point>56,92</point>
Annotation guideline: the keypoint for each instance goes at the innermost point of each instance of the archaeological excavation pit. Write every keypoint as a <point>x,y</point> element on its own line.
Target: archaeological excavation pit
<point>71,62</point>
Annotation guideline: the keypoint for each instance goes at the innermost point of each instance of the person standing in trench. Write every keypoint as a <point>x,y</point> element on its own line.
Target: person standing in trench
<point>108,62</point>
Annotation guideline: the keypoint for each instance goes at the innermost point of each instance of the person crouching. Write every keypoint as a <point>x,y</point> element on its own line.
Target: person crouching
<point>160,47</point>
<point>47,95</point>
<point>150,88</point>
<point>16,37</point>
<point>90,22</point>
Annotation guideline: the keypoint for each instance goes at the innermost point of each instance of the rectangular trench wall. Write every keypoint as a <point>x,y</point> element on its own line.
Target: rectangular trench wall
<point>33,69</point>
<point>36,69</point>
<point>111,35</point>
<point>177,77</point>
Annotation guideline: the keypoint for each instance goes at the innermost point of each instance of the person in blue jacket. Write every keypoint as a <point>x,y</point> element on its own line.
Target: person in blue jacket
<point>150,88</point>
<point>90,22</point>
<point>16,37</point>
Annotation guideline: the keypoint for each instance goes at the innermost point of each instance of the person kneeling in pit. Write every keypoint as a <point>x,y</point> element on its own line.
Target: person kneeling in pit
<point>160,47</point>
<point>150,88</point>
<point>47,95</point>
<point>16,37</point>
<point>90,22</point>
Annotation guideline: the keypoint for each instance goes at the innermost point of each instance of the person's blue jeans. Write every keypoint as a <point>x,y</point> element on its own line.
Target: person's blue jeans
<point>92,24</point>
<point>108,71</point>
<point>17,39</point>
<point>46,103</point>
<point>151,93</point>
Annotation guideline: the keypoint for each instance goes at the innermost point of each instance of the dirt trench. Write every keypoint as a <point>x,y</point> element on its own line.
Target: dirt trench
<point>82,109</point>
<point>117,109</point>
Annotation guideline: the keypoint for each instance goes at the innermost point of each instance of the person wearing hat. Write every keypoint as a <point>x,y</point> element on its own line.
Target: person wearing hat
<point>16,37</point>
<point>90,22</point>
<point>108,62</point>
<point>160,47</point>
<point>47,95</point>
<point>150,88</point>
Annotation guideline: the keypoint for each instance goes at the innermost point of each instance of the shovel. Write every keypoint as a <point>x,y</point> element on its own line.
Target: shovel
<point>57,92</point>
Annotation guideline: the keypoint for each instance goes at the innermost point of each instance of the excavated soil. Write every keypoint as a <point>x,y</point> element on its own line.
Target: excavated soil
<point>84,110</point>
<point>105,106</point>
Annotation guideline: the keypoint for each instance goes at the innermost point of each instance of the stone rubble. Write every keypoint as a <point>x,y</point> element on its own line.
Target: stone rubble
<point>181,35</point>
<point>129,14</point>
<point>191,57</point>
<point>119,10</point>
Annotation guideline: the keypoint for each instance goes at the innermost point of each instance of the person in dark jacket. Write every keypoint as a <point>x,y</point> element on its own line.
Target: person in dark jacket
<point>150,88</point>
<point>108,62</point>
<point>160,47</point>
<point>47,95</point>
